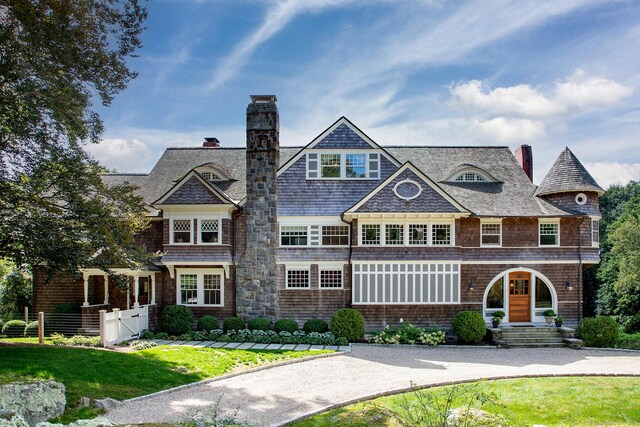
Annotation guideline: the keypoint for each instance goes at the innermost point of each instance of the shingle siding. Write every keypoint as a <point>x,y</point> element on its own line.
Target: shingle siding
<point>193,192</point>
<point>343,137</point>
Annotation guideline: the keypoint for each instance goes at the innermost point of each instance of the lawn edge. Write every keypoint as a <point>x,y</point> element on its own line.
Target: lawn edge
<point>400,390</point>
<point>234,374</point>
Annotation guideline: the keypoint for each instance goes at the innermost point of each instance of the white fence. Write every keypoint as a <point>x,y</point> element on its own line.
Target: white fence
<point>123,325</point>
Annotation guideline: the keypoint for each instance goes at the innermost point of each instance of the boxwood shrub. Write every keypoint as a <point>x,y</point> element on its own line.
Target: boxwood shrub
<point>233,324</point>
<point>14,328</point>
<point>207,323</point>
<point>176,320</point>
<point>31,330</point>
<point>259,324</point>
<point>348,323</point>
<point>468,326</point>
<point>601,331</point>
<point>315,325</point>
<point>286,325</point>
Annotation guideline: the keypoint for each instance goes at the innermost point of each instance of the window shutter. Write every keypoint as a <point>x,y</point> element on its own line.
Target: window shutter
<point>374,165</point>
<point>312,165</point>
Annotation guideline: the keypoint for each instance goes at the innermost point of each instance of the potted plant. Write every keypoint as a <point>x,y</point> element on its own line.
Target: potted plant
<point>497,318</point>
<point>549,315</point>
<point>558,320</point>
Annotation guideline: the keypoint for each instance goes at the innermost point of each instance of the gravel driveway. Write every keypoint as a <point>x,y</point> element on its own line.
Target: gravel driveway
<point>271,397</point>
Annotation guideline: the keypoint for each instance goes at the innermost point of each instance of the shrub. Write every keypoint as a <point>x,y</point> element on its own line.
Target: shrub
<point>187,336</point>
<point>342,341</point>
<point>233,324</point>
<point>161,336</point>
<point>207,323</point>
<point>259,324</point>
<point>549,313</point>
<point>631,341</point>
<point>67,308</point>
<point>66,318</point>
<point>631,325</point>
<point>315,325</point>
<point>82,341</point>
<point>285,325</point>
<point>348,323</point>
<point>31,330</point>
<point>1,324</point>
<point>176,320</point>
<point>499,314</point>
<point>142,345</point>
<point>601,331</point>
<point>147,335</point>
<point>468,326</point>
<point>14,328</point>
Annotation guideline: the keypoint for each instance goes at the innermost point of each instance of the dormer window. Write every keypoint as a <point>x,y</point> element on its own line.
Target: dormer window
<point>470,177</point>
<point>470,173</point>
<point>210,176</point>
<point>343,165</point>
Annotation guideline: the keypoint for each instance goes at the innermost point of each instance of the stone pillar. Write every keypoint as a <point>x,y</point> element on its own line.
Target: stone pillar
<point>256,278</point>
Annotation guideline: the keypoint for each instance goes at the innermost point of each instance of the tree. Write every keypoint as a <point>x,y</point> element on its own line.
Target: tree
<point>15,291</point>
<point>56,58</point>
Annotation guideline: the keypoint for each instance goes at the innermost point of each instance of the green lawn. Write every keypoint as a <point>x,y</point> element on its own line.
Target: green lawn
<point>98,373</point>
<point>559,401</point>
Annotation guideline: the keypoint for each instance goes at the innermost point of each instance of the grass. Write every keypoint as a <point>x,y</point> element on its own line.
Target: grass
<point>98,373</point>
<point>557,401</point>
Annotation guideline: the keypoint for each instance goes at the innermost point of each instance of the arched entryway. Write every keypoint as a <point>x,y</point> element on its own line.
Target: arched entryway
<point>522,293</point>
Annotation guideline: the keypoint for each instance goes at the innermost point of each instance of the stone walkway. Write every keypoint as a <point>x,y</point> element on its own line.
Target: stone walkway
<point>271,397</point>
<point>252,346</point>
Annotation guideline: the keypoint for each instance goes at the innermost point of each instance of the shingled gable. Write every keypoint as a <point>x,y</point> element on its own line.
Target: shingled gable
<point>408,190</point>
<point>567,175</point>
<point>342,134</point>
<point>192,189</point>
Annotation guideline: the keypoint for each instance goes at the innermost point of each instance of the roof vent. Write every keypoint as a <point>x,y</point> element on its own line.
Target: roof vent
<point>211,143</point>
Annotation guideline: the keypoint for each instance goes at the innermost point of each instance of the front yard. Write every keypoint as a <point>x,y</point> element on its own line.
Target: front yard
<point>98,374</point>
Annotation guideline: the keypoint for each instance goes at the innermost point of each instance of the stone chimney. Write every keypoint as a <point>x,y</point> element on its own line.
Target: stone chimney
<point>256,275</point>
<point>211,142</point>
<point>524,155</point>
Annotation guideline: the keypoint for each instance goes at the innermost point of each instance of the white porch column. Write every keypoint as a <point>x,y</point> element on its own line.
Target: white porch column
<point>153,288</point>
<point>128,293</point>
<point>106,289</point>
<point>136,290</point>
<point>86,289</point>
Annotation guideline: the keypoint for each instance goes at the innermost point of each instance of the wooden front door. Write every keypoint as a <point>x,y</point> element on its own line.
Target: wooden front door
<point>519,297</point>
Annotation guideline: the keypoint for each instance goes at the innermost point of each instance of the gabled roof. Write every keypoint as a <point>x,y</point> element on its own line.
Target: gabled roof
<point>422,194</point>
<point>193,189</point>
<point>567,175</point>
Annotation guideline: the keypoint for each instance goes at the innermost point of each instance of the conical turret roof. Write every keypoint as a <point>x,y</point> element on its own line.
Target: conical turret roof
<point>567,175</point>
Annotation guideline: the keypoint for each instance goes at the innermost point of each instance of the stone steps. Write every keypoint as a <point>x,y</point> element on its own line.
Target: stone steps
<point>534,337</point>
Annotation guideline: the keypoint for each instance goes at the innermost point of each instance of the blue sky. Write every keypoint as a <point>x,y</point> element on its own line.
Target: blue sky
<point>544,73</point>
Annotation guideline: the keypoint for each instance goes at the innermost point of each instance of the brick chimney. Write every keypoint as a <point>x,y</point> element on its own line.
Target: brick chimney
<point>256,275</point>
<point>524,155</point>
<point>211,142</point>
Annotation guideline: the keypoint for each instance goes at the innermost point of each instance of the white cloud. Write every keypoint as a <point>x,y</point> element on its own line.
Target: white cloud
<point>509,131</point>
<point>582,93</point>
<point>120,154</point>
<point>607,174</point>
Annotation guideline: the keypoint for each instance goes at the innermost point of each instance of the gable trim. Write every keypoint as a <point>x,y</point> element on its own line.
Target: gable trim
<point>192,173</point>
<point>426,179</point>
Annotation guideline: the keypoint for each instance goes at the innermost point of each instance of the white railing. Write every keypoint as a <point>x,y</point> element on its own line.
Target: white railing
<point>123,325</point>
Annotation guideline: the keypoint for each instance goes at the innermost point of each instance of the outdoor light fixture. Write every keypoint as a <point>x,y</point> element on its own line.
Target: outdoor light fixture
<point>471,286</point>
<point>569,286</point>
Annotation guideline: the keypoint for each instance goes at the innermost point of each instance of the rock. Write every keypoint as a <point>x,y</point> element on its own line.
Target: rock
<point>107,404</point>
<point>474,417</point>
<point>85,402</point>
<point>11,419</point>
<point>33,401</point>
<point>95,422</point>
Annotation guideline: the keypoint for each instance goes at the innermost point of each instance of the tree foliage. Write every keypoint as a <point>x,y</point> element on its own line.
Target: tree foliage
<point>15,290</point>
<point>56,59</point>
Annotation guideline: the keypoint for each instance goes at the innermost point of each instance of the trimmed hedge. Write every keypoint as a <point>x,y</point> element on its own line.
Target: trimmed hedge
<point>176,320</point>
<point>601,331</point>
<point>233,324</point>
<point>287,325</point>
<point>348,323</point>
<point>14,328</point>
<point>259,324</point>
<point>468,326</point>
<point>31,330</point>
<point>315,325</point>
<point>207,323</point>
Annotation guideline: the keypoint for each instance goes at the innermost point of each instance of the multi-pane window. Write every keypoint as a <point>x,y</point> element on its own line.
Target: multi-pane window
<point>470,177</point>
<point>356,165</point>
<point>210,176</point>
<point>330,165</point>
<point>189,289</point>
<point>418,234</point>
<point>330,279</point>
<point>293,235</point>
<point>595,232</point>
<point>212,288</point>
<point>441,234</point>
<point>394,234</point>
<point>181,231</point>
<point>297,279</point>
<point>335,235</point>
<point>209,231</point>
<point>549,234</point>
<point>490,234</point>
<point>370,234</point>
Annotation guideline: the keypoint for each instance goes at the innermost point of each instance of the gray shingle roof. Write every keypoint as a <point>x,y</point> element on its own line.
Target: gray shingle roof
<point>567,175</point>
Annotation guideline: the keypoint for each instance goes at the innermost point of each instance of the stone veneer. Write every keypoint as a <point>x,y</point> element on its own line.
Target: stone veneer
<point>256,277</point>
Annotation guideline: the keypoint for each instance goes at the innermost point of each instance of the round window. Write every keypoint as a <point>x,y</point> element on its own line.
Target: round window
<point>407,189</point>
<point>581,198</point>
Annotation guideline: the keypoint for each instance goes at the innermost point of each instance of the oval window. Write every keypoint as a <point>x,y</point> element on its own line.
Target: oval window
<point>581,199</point>
<point>407,189</point>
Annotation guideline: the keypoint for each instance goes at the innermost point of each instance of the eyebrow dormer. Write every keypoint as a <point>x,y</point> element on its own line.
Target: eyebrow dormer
<point>470,173</point>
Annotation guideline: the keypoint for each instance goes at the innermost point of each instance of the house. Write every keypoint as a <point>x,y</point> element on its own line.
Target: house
<point>410,232</point>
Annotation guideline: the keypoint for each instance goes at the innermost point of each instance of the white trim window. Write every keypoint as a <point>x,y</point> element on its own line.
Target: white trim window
<point>355,165</point>
<point>209,231</point>
<point>294,235</point>
<point>490,234</point>
<point>298,278</point>
<point>181,231</point>
<point>394,234</point>
<point>335,235</point>
<point>419,234</point>
<point>595,232</point>
<point>330,278</point>
<point>200,287</point>
<point>343,165</point>
<point>441,234</point>
<point>549,233</point>
<point>370,234</point>
<point>407,234</point>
